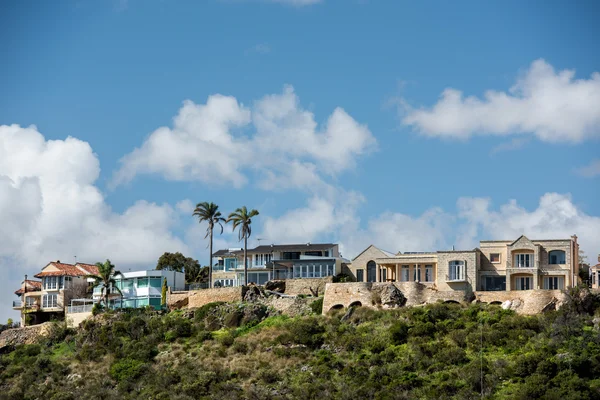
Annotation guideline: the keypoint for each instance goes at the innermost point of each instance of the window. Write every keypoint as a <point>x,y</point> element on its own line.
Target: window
<point>156,283</point>
<point>230,263</point>
<point>456,270</point>
<point>383,274</point>
<point>417,274</point>
<point>429,273</point>
<point>127,284</point>
<point>330,270</point>
<point>371,269</point>
<point>495,257</point>
<point>291,255</point>
<point>29,301</point>
<point>360,275</point>
<point>523,283</point>
<point>556,257</point>
<point>51,282</point>
<point>68,282</point>
<point>495,283</point>
<point>523,260</point>
<point>142,282</point>
<point>405,273</point>
<point>554,282</point>
<point>313,253</point>
<point>50,301</point>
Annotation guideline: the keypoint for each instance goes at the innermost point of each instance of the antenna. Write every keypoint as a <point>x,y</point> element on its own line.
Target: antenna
<point>259,239</point>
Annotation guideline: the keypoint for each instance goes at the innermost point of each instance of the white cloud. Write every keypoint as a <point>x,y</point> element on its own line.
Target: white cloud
<point>515,144</point>
<point>551,105</point>
<point>591,170</point>
<point>50,209</point>
<point>202,146</point>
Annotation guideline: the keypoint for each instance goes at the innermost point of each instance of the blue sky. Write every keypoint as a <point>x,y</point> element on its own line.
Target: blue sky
<point>400,173</point>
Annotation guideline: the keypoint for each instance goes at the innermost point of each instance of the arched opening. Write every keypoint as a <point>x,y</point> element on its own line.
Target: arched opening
<point>451,302</point>
<point>337,307</point>
<point>371,271</point>
<point>556,257</point>
<point>496,303</point>
<point>355,304</point>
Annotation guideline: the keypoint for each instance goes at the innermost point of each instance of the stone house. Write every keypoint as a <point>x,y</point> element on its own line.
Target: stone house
<point>496,265</point>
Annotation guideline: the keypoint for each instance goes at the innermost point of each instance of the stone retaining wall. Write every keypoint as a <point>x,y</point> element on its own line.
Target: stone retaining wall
<point>339,295</point>
<point>75,319</point>
<point>25,335</point>
<point>302,286</point>
<point>198,298</point>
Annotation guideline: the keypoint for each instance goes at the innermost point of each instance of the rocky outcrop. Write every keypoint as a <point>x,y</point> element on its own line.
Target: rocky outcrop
<point>387,296</point>
<point>27,335</point>
<point>275,286</point>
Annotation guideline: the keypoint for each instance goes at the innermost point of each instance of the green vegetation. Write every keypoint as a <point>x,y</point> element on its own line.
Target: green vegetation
<point>232,351</point>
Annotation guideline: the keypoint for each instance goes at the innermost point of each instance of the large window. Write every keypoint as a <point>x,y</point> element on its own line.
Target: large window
<point>456,270</point>
<point>314,253</point>
<point>554,282</point>
<point>360,275</point>
<point>523,283</point>
<point>429,273</point>
<point>524,260</point>
<point>50,301</point>
<point>230,263</point>
<point>417,274</point>
<point>51,282</point>
<point>405,273</point>
<point>556,257</point>
<point>495,283</point>
<point>495,258</point>
<point>142,283</point>
<point>156,283</point>
<point>371,271</point>
<point>291,255</point>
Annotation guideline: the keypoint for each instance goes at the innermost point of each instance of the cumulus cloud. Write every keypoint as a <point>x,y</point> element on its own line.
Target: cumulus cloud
<point>591,170</point>
<point>556,217</point>
<point>204,145</point>
<point>50,209</point>
<point>551,105</point>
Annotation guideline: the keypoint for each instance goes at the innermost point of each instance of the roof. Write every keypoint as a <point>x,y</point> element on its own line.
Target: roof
<point>79,269</point>
<point>267,248</point>
<point>32,286</point>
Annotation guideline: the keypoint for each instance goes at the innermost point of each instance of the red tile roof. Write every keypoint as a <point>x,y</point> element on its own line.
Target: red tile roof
<point>89,268</point>
<point>32,286</point>
<point>79,269</point>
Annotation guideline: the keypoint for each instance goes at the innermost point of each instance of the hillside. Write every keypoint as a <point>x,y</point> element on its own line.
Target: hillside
<point>232,351</point>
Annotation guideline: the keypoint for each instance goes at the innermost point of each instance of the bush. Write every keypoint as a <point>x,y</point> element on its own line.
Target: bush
<point>317,306</point>
<point>127,369</point>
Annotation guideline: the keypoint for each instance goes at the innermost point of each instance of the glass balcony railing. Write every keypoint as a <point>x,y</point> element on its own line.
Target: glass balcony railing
<point>17,304</point>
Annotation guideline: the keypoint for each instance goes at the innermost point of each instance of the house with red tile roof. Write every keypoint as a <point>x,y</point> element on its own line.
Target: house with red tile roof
<point>46,299</point>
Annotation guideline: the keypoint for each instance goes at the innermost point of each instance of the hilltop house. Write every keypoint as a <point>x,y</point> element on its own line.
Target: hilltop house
<point>268,262</point>
<point>496,265</point>
<point>43,300</point>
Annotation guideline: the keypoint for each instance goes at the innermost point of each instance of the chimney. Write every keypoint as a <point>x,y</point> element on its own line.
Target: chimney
<point>58,261</point>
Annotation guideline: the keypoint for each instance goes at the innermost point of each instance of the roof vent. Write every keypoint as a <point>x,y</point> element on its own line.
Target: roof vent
<point>308,244</point>
<point>58,261</point>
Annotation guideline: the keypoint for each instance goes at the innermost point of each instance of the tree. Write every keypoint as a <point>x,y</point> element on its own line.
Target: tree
<point>210,213</point>
<point>105,278</point>
<point>180,263</point>
<point>163,294</point>
<point>243,219</point>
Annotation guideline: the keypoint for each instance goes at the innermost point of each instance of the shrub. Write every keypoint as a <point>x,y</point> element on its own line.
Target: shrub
<point>399,332</point>
<point>127,369</point>
<point>317,306</point>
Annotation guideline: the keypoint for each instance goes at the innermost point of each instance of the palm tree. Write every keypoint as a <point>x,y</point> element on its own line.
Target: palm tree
<point>105,277</point>
<point>242,218</point>
<point>210,213</point>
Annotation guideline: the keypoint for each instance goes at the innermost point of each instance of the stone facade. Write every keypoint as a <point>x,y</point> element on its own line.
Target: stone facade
<point>302,286</point>
<point>343,295</point>
<point>198,298</point>
<point>371,253</point>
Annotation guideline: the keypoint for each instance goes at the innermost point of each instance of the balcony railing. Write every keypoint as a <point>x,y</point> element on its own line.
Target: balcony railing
<point>80,309</point>
<point>17,304</point>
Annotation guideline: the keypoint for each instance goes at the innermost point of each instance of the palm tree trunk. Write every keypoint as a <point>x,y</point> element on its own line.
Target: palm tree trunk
<point>210,266</point>
<point>245,261</point>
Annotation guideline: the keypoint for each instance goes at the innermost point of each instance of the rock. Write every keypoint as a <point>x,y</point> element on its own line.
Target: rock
<point>183,303</point>
<point>516,303</point>
<point>596,322</point>
<point>25,335</point>
<point>388,295</point>
<point>276,286</point>
<point>506,305</point>
<point>551,306</point>
<point>253,293</point>
<point>348,314</point>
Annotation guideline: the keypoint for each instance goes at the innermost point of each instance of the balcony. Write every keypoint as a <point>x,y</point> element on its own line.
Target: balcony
<point>17,304</point>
